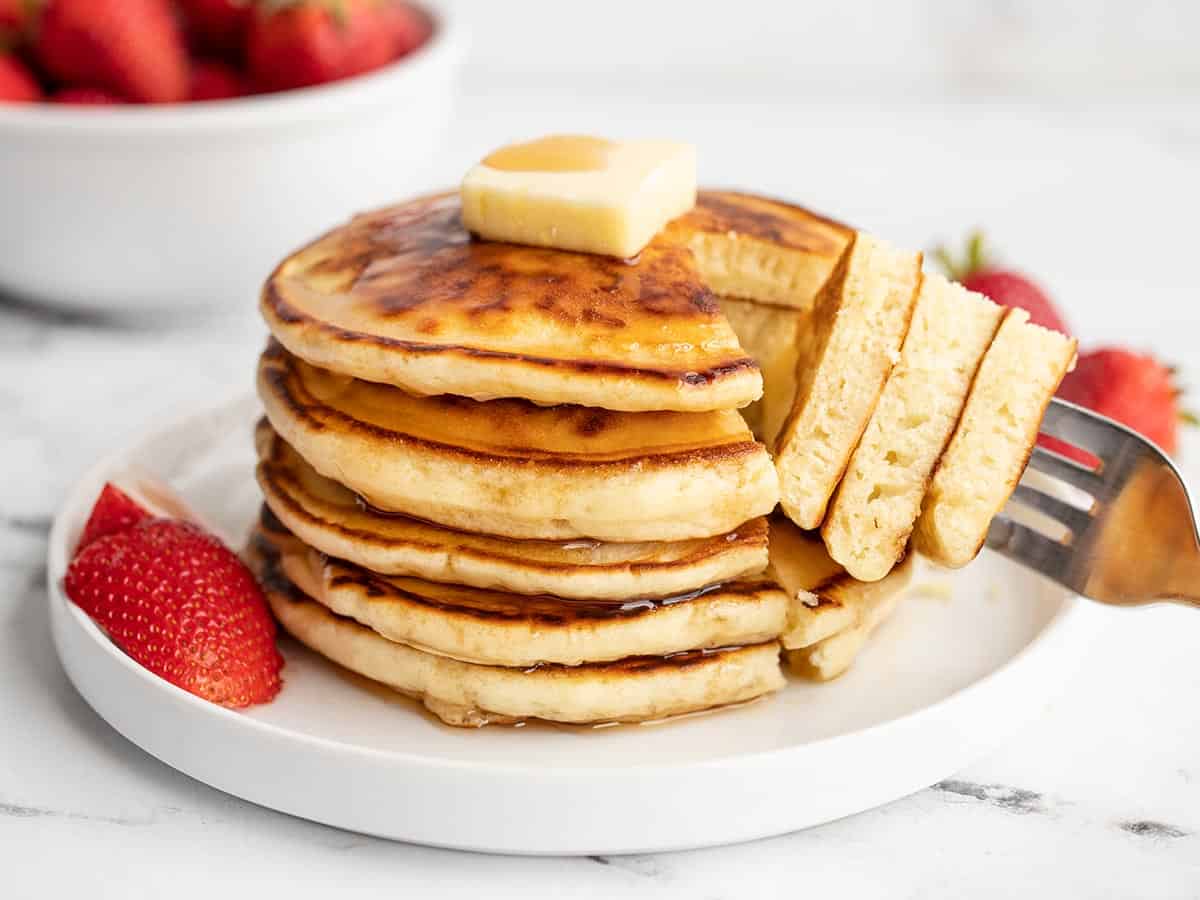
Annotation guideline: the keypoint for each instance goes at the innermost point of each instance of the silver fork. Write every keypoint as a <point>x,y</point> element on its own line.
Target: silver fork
<point>1121,532</point>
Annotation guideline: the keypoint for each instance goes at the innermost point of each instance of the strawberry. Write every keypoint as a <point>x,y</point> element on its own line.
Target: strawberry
<point>86,96</point>
<point>17,84</point>
<point>180,603</point>
<point>218,26</point>
<point>213,80</point>
<point>309,42</point>
<point>1004,286</point>
<point>408,26</point>
<point>132,48</point>
<point>1136,390</point>
<point>16,21</point>
<point>114,509</point>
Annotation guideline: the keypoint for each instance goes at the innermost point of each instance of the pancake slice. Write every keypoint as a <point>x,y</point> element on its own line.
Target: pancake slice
<point>846,351</point>
<point>329,517</point>
<point>404,296</point>
<point>515,469</point>
<point>995,435</point>
<point>496,628</point>
<point>760,249</point>
<point>831,657</point>
<point>462,693</point>
<point>825,600</point>
<point>879,498</point>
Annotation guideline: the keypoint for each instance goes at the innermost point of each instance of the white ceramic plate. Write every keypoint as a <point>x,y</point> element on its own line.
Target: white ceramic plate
<point>943,681</point>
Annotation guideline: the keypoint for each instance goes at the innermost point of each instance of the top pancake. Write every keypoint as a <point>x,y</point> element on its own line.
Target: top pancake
<point>404,296</point>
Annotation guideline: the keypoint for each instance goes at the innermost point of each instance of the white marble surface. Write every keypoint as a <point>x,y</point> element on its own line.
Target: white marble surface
<point>1101,798</point>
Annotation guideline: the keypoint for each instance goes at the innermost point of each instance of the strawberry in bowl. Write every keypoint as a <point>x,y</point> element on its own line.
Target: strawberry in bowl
<point>172,150</point>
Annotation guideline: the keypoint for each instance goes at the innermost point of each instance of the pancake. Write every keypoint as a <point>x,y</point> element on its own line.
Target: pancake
<point>404,296</point>
<point>495,628</point>
<point>760,249</point>
<point>846,351</point>
<point>826,600</point>
<point>879,498</point>
<point>515,469</point>
<point>770,334</point>
<point>996,433</point>
<point>327,516</point>
<point>831,657</point>
<point>461,693</point>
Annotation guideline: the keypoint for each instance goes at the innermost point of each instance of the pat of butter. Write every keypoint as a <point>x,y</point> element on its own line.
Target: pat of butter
<point>580,193</point>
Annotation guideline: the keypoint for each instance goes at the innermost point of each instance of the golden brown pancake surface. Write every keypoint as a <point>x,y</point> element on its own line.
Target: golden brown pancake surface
<point>405,296</point>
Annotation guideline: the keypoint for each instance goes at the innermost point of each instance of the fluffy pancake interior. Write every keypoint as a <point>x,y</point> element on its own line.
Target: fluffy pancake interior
<point>826,600</point>
<point>995,435</point>
<point>770,334</point>
<point>761,249</point>
<point>879,498</point>
<point>846,352</point>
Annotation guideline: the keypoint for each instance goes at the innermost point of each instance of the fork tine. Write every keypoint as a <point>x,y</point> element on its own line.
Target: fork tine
<point>1075,519</point>
<point>1087,430</point>
<point>1067,470</point>
<point>1029,548</point>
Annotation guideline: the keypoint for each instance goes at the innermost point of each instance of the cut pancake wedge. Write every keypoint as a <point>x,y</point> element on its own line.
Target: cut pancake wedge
<point>462,693</point>
<point>511,468</point>
<point>496,628</point>
<point>824,599</point>
<point>831,657</point>
<point>879,498</point>
<point>329,517</point>
<point>995,435</point>
<point>404,296</point>
<point>847,348</point>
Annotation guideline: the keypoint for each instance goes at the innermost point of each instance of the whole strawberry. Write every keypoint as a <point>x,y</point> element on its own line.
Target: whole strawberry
<point>131,48</point>
<point>1134,389</point>
<point>1003,286</point>
<point>17,84</point>
<point>309,42</point>
<point>218,26</point>
<point>180,603</point>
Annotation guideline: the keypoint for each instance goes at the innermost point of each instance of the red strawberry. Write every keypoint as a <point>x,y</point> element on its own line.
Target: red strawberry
<point>212,80</point>
<point>1135,390</point>
<point>1006,287</point>
<point>17,84</point>
<point>409,26</point>
<point>309,42</point>
<point>180,603</point>
<point>16,20</point>
<point>217,25</point>
<point>132,48</point>
<point>114,510</point>
<point>86,96</point>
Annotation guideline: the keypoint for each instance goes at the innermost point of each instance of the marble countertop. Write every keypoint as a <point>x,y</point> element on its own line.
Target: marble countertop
<point>1100,798</point>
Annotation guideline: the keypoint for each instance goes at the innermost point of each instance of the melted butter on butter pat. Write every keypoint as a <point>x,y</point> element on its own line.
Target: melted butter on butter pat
<point>580,193</point>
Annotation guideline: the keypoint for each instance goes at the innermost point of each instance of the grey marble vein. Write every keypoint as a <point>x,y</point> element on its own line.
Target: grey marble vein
<point>1013,799</point>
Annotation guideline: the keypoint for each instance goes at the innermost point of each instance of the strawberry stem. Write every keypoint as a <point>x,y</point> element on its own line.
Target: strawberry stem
<point>1189,418</point>
<point>975,260</point>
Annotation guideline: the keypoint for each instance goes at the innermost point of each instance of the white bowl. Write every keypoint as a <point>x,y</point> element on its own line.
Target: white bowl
<point>156,209</point>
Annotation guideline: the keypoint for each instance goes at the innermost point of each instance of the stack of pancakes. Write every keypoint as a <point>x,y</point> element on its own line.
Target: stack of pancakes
<point>514,481</point>
<point>519,482</point>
